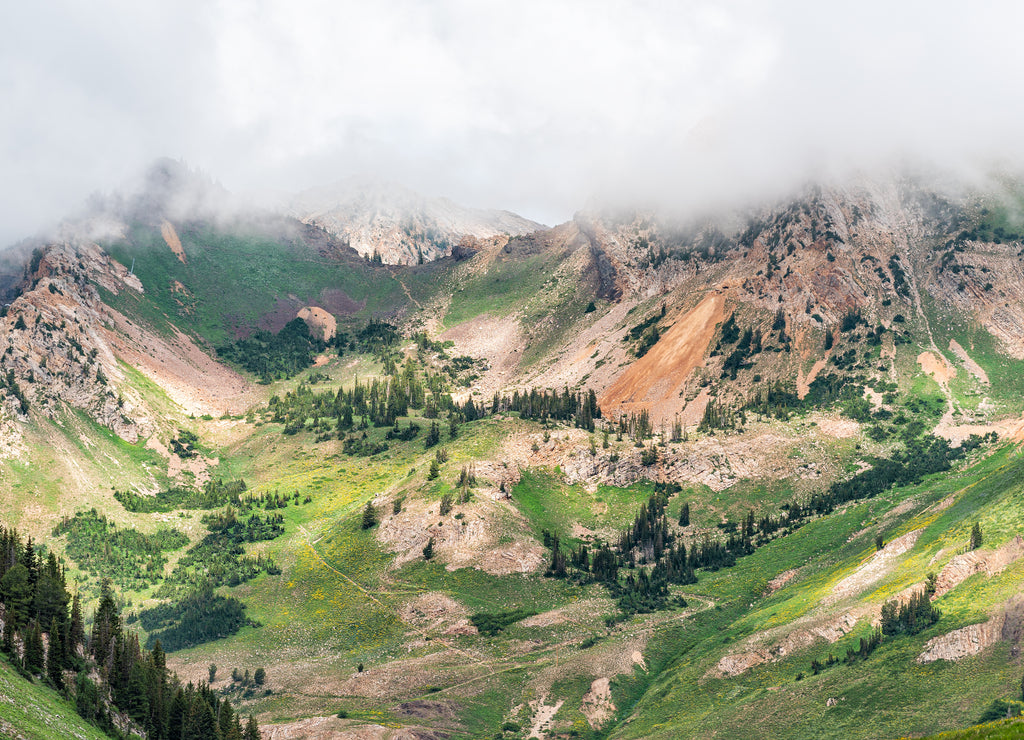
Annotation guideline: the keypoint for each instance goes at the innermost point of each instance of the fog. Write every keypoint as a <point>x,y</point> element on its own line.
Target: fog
<point>537,107</point>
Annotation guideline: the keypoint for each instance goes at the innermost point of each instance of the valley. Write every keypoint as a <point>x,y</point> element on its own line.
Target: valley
<point>754,474</point>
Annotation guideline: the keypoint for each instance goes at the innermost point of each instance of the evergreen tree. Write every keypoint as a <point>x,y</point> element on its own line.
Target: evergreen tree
<point>369,515</point>
<point>34,654</point>
<point>259,677</point>
<point>252,730</point>
<point>976,538</point>
<point>433,436</point>
<point>87,697</point>
<point>55,656</point>
<point>106,625</point>
<point>228,722</point>
<point>177,715</point>
<point>9,630</point>
<point>428,549</point>
<point>16,594</point>
<point>201,723</point>
<point>76,630</point>
<point>684,515</point>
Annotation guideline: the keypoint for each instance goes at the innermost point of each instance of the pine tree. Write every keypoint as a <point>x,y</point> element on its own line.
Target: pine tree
<point>428,549</point>
<point>252,730</point>
<point>177,715</point>
<point>201,723</point>
<point>55,656</point>
<point>106,626</point>
<point>976,538</point>
<point>229,727</point>
<point>433,436</point>
<point>34,654</point>
<point>369,515</point>
<point>684,515</point>
<point>9,630</point>
<point>76,630</point>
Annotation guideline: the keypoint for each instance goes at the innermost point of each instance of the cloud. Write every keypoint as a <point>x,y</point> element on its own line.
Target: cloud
<point>532,106</point>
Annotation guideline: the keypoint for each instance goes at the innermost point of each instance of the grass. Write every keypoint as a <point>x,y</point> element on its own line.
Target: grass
<point>553,505</point>
<point>234,280</point>
<point>888,694</point>
<point>36,711</point>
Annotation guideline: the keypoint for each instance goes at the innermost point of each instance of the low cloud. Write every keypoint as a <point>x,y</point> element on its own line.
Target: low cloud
<point>536,106</point>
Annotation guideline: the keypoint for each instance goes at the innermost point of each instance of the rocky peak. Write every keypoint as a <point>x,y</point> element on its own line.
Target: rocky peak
<point>398,225</point>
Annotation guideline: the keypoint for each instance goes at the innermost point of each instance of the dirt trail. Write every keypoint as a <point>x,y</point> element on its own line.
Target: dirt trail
<point>655,380</point>
<point>378,602</point>
<point>171,237</point>
<point>406,289</point>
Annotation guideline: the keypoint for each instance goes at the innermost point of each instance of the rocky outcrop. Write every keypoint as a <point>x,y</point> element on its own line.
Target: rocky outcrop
<point>961,643</point>
<point>54,344</point>
<point>991,562</point>
<point>770,647</point>
<point>972,639</point>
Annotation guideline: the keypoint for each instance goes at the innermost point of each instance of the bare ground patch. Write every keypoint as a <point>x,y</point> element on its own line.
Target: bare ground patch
<point>776,644</point>
<point>171,238</point>
<point>936,366</point>
<point>974,638</point>
<point>880,564</point>
<point>473,541</point>
<point>436,611</point>
<point>655,380</point>
<point>990,562</point>
<point>972,367</point>
<point>597,704</point>
<point>175,364</point>
<point>781,580</point>
<point>499,339</point>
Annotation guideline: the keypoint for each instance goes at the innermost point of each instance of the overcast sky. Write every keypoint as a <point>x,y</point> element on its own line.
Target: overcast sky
<point>531,106</point>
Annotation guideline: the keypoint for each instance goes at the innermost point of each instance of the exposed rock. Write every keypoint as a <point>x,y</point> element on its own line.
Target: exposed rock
<point>781,580</point>
<point>597,705</point>
<point>55,344</point>
<point>960,643</point>
<point>778,643</point>
<point>965,565</point>
<point>874,569</point>
<point>974,638</point>
<point>321,324</point>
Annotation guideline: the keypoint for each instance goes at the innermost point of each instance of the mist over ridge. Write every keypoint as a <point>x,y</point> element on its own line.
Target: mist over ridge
<point>538,109</point>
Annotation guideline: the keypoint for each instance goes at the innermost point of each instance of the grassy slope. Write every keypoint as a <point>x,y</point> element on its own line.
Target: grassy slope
<point>35,712</point>
<point>888,694</point>
<point>234,279</point>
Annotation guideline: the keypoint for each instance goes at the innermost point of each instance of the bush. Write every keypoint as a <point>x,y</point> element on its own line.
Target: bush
<point>491,623</point>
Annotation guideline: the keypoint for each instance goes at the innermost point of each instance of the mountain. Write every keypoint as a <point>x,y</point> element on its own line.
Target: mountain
<point>635,475</point>
<point>399,225</point>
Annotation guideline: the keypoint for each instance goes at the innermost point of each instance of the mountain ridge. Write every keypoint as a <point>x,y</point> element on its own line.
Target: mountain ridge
<point>576,378</point>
